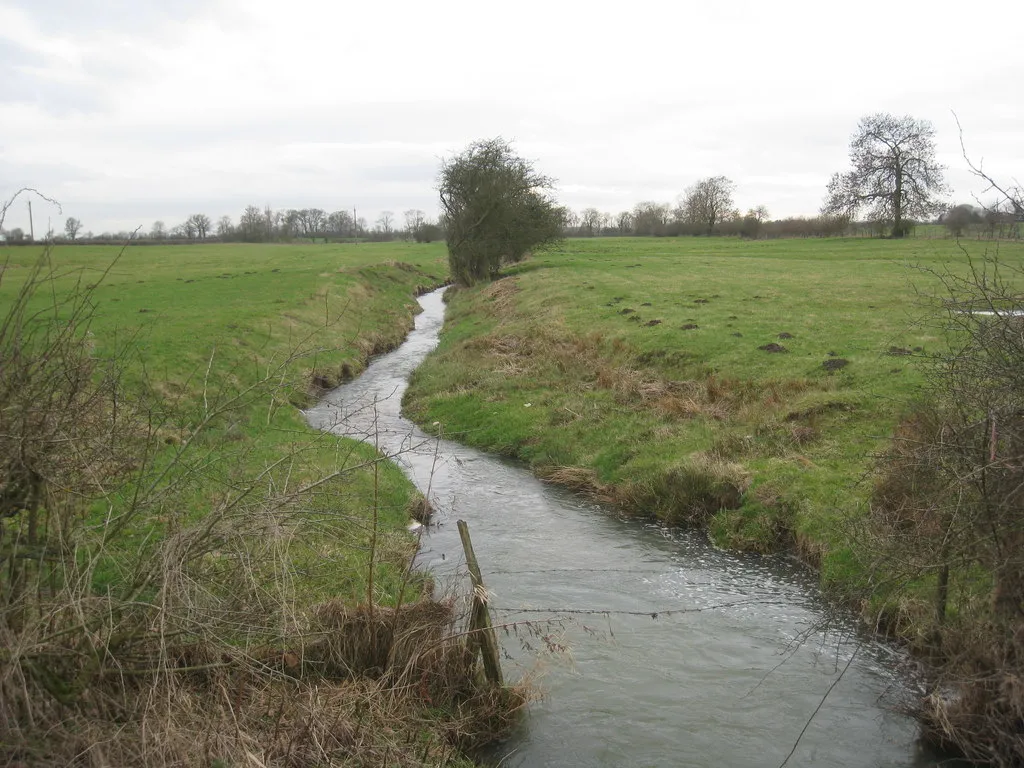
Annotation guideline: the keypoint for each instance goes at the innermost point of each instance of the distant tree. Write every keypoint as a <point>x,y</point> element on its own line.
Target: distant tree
<point>414,219</point>
<point>959,219</point>
<point>340,224</point>
<point>624,222</point>
<point>760,214</point>
<point>650,218</point>
<point>707,202</point>
<point>225,229</point>
<point>16,235</point>
<point>72,227</point>
<point>895,174</point>
<point>496,209</point>
<point>252,225</point>
<point>428,232</point>
<point>197,226</point>
<point>590,222</point>
<point>203,225</point>
<point>158,231</point>
<point>310,222</point>
<point>384,222</point>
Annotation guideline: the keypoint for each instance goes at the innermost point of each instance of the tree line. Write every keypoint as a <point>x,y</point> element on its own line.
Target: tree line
<point>260,225</point>
<point>894,178</point>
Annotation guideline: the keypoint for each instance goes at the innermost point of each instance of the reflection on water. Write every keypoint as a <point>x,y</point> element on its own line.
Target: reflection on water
<point>680,653</point>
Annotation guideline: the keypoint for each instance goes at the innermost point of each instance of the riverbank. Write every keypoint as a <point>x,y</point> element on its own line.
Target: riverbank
<point>741,386</point>
<point>665,632</point>
<point>205,538</point>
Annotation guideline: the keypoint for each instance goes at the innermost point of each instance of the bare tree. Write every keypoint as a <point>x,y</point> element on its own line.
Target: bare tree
<point>707,202</point>
<point>384,222</point>
<point>895,173</point>
<point>251,225</point>
<point>414,219</point>
<point>590,222</point>
<point>225,229</point>
<point>340,224</point>
<point>649,218</point>
<point>759,214</point>
<point>624,222</point>
<point>311,221</point>
<point>72,227</point>
<point>198,226</point>
<point>158,230</point>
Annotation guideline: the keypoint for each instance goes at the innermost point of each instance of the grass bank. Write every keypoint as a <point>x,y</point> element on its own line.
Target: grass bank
<point>740,385</point>
<point>190,574</point>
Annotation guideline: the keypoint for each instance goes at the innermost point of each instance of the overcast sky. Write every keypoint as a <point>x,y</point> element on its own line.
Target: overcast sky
<point>129,111</point>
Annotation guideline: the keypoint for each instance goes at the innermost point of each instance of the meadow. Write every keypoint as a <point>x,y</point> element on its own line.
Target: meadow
<point>172,530</point>
<point>744,386</point>
<point>235,338</point>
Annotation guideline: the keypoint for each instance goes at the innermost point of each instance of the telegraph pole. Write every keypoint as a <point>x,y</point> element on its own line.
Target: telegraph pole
<point>31,224</point>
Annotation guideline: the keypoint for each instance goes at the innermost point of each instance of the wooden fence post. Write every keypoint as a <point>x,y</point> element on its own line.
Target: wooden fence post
<point>481,631</point>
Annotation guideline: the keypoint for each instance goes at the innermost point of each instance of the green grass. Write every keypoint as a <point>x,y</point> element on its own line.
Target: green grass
<point>580,363</point>
<point>196,325</point>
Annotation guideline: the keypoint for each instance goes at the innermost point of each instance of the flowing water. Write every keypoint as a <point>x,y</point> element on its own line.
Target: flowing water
<point>679,654</point>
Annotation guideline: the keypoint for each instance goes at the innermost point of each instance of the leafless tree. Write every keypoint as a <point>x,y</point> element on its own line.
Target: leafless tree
<point>707,202</point>
<point>624,222</point>
<point>414,219</point>
<point>340,224</point>
<point>384,222</point>
<point>590,222</point>
<point>225,229</point>
<point>650,218</point>
<point>252,225</point>
<point>158,230</point>
<point>197,226</point>
<point>894,174</point>
<point>72,227</point>
<point>759,214</point>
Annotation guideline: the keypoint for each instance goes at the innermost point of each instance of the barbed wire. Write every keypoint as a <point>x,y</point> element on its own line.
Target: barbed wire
<point>654,614</point>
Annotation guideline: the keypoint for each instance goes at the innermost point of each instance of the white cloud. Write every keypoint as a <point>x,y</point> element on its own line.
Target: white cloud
<point>130,111</point>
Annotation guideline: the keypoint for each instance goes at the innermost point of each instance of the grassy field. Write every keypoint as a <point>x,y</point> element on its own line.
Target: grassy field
<point>195,326</point>
<point>741,385</point>
<point>196,534</point>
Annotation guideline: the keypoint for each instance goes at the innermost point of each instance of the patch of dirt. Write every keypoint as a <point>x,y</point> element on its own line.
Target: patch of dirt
<point>773,347</point>
<point>689,327</point>
<point>919,349</point>
<point>785,335</point>
<point>646,304</point>
<point>627,311</point>
<point>700,301</point>
<point>732,317</point>
<point>835,363</point>
<point>649,323</point>
<point>898,352</point>
<point>738,335</point>
<point>635,318</point>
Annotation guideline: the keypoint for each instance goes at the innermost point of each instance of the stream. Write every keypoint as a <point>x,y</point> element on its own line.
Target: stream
<point>678,653</point>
